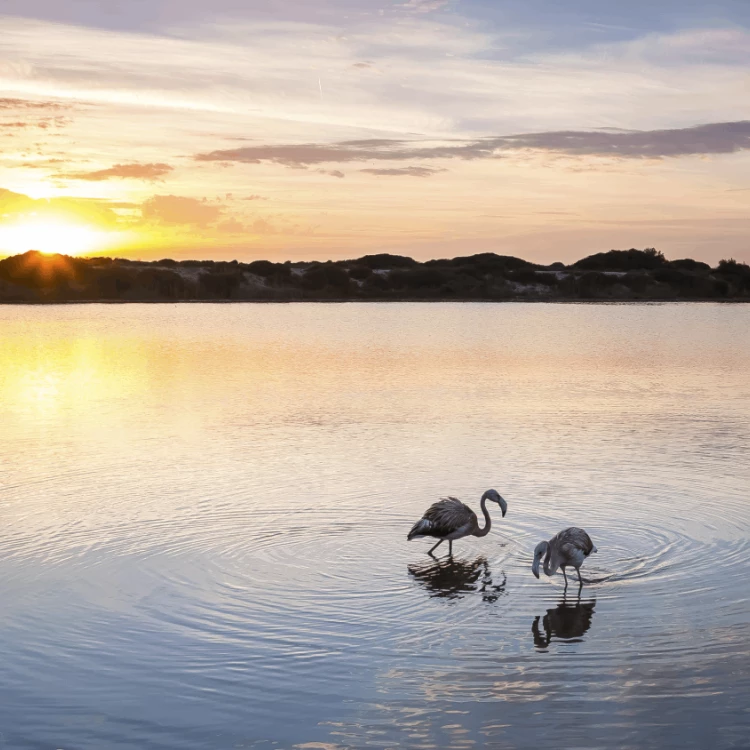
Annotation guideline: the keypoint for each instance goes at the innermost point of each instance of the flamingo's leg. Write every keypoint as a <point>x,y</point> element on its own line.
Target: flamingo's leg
<point>565,576</point>
<point>450,547</point>
<point>432,549</point>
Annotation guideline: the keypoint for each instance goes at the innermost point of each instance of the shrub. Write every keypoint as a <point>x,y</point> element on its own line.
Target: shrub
<point>43,272</point>
<point>221,285</point>
<point>530,276</point>
<point>386,260</point>
<point>376,284</point>
<point>419,278</point>
<point>161,283</point>
<point>483,263</point>
<point>636,282</point>
<point>327,276</point>
<point>731,266</point>
<point>622,260</point>
<point>267,269</point>
<point>360,272</point>
<point>113,283</point>
<point>688,264</point>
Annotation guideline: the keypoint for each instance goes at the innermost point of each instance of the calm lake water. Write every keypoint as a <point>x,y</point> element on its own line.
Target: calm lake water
<point>204,515</point>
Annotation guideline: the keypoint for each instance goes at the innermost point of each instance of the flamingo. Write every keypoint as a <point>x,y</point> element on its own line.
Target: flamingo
<point>570,547</point>
<point>450,519</point>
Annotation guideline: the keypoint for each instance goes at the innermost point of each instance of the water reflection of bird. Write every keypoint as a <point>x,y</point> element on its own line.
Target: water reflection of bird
<point>454,579</point>
<point>568,621</point>
<point>450,519</point>
<point>570,547</point>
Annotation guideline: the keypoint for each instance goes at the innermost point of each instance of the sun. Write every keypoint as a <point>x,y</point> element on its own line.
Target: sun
<point>50,236</point>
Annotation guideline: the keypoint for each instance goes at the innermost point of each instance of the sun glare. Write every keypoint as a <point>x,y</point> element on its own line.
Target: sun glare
<point>50,236</point>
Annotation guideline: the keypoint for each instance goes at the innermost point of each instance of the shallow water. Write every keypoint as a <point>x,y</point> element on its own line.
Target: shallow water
<point>204,511</point>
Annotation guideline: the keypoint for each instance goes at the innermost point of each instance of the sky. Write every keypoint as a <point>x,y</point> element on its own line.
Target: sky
<point>433,128</point>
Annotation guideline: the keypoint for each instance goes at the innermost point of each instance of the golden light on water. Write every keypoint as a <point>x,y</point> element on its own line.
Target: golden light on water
<point>51,236</point>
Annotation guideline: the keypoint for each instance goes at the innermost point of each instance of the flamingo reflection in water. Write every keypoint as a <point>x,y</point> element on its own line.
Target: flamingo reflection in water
<point>454,579</point>
<point>569,621</point>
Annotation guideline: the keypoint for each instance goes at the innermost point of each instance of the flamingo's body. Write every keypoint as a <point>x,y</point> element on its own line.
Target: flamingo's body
<point>570,547</point>
<point>450,519</point>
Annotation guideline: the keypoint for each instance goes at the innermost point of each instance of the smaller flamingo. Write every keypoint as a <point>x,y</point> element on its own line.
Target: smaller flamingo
<point>570,547</point>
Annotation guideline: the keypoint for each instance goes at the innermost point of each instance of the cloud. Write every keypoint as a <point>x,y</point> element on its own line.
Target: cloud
<point>404,172</point>
<point>175,209</point>
<point>44,123</point>
<point>332,172</point>
<point>10,103</point>
<point>232,226</point>
<point>425,6</point>
<point>438,78</point>
<point>42,163</point>
<point>263,226</point>
<point>255,198</point>
<point>714,138</point>
<point>123,171</point>
<point>306,154</point>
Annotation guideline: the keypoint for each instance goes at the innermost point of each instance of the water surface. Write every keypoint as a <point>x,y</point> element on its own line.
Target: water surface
<point>204,511</point>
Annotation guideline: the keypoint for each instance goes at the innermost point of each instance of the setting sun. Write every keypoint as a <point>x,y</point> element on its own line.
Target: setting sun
<point>51,236</point>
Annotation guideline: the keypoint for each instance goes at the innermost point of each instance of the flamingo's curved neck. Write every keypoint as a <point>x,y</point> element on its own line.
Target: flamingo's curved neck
<point>547,557</point>
<point>487,520</point>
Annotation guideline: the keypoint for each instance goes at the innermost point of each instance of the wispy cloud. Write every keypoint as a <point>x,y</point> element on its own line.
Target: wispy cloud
<point>43,123</point>
<point>403,172</point>
<point>433,78</point>
<point>307,154</point>
<point>714,138</point>
<point>123,171</point>
<point>426,6</point>
<point>27,104</point>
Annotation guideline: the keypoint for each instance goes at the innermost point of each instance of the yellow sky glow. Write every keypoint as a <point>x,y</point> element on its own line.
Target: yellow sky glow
<point>52,236</point>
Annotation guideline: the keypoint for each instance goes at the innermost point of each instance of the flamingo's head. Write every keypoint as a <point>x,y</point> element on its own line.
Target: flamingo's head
<point>495,496</point>
<point>539,551</point>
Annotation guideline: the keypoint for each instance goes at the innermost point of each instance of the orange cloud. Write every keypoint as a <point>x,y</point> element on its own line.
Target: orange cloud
<point>124,172</point>
<point>175,209</point>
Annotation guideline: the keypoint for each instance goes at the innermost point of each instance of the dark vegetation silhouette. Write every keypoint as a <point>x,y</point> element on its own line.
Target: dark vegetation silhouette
<point>610,276</point>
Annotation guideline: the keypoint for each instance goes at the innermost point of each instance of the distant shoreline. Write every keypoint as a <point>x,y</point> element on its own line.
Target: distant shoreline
<point>617,276</point>
<point>405,300</point>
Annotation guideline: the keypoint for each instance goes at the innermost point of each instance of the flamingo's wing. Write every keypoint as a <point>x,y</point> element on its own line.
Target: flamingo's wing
<point>573,540</point>
<point>443,518</point>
